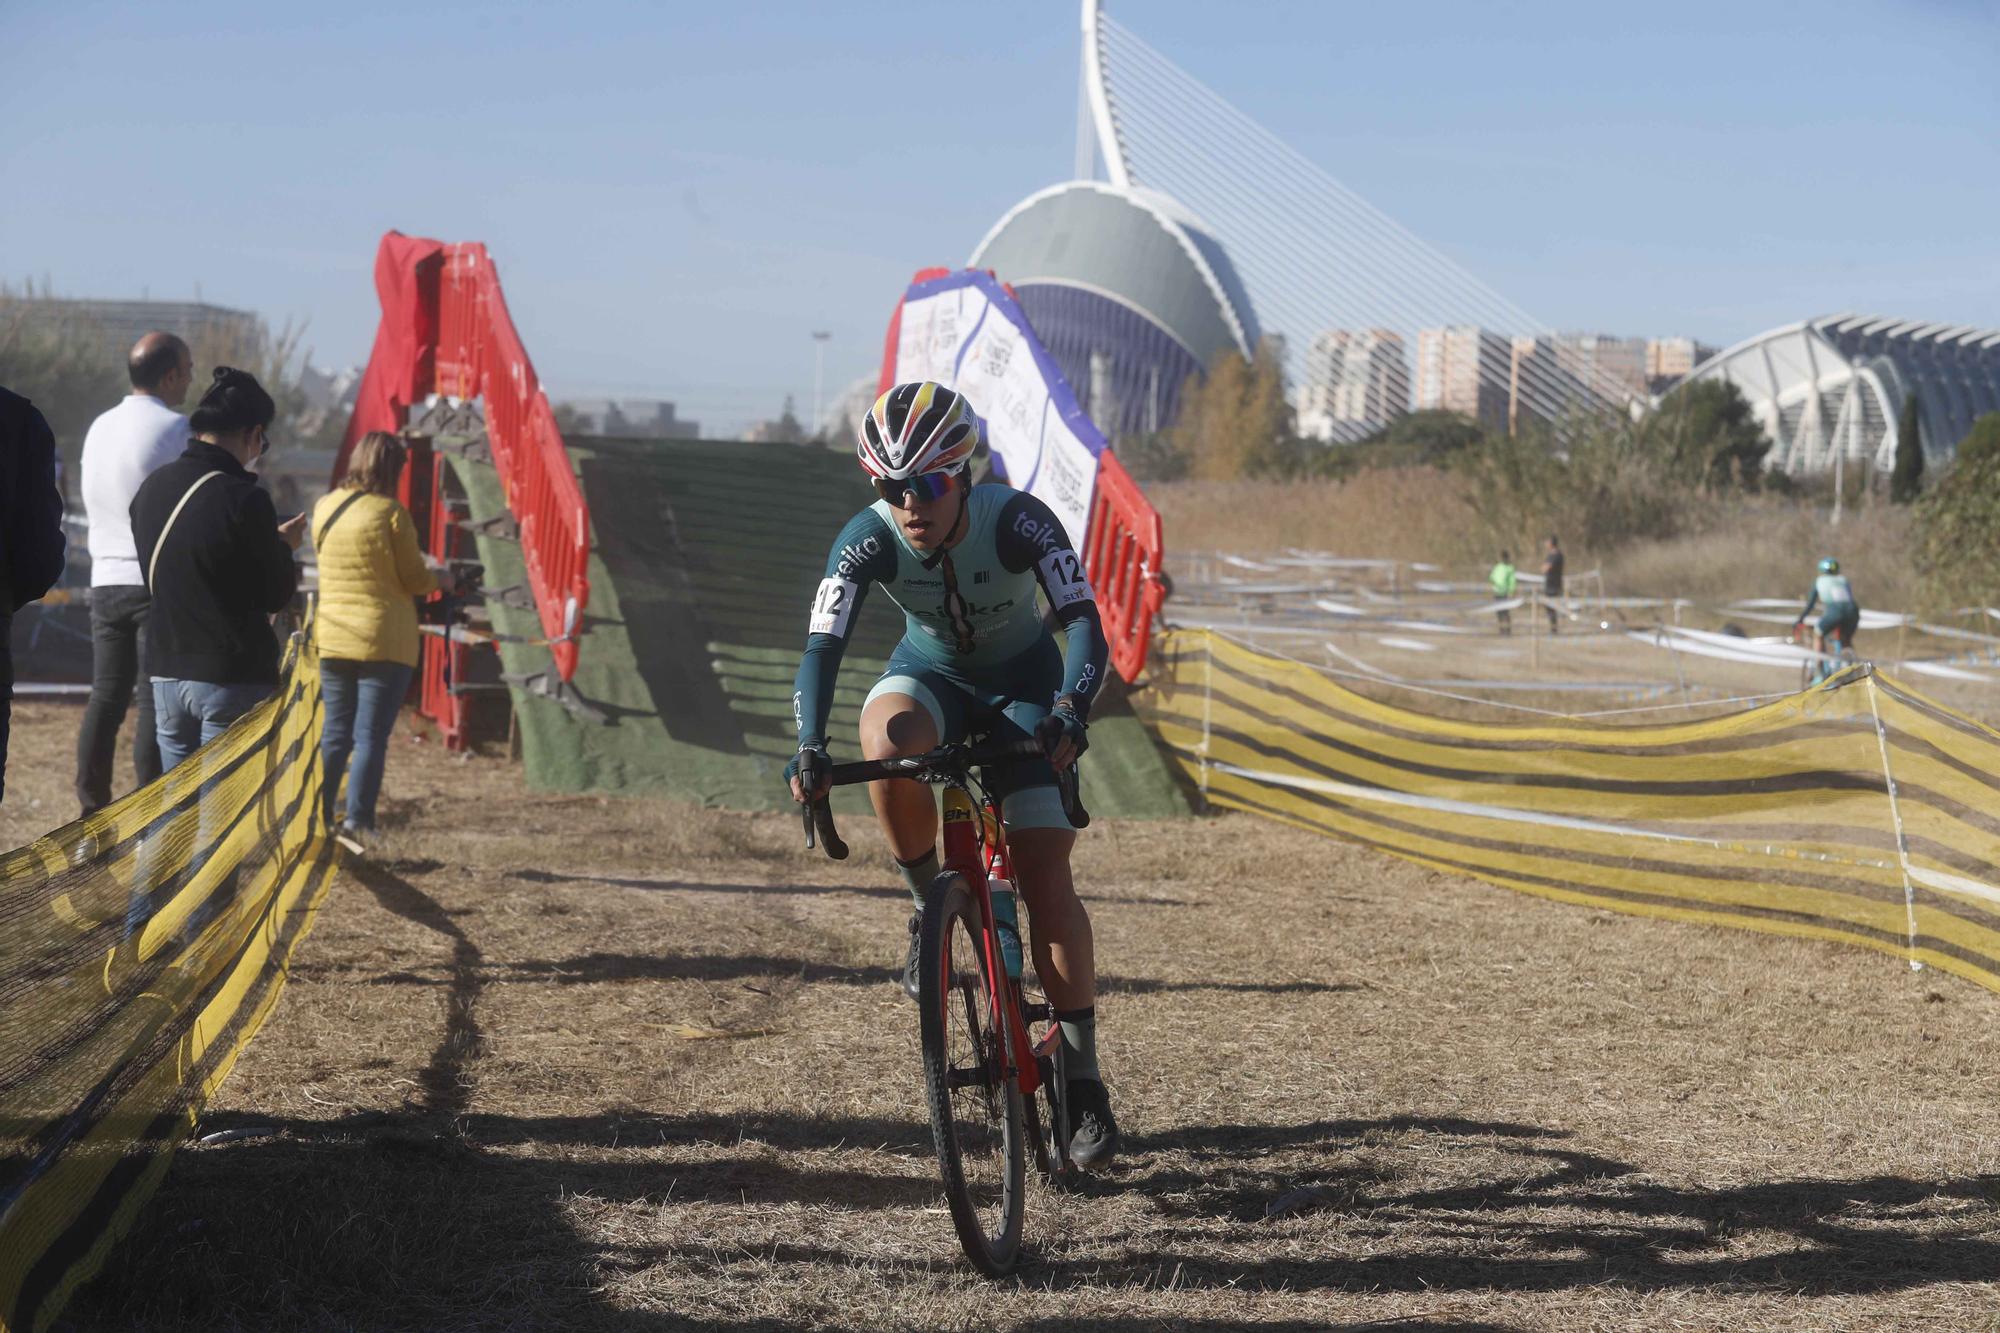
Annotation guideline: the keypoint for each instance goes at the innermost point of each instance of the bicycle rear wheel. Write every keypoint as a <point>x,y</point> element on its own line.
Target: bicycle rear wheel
<point>976,1112</point>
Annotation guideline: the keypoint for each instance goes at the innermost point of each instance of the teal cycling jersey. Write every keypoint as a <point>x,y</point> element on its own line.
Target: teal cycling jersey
<point>1829,590</point>
<point>969,610</point>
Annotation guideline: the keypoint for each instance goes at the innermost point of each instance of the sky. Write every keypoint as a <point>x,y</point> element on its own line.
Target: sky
<point>678,195</point>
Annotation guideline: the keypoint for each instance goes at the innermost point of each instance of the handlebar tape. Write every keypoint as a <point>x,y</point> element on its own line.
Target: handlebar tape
<point>819,815</point>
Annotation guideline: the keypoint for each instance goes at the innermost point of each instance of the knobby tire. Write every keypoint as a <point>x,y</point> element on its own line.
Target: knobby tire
<point>982,1144</point>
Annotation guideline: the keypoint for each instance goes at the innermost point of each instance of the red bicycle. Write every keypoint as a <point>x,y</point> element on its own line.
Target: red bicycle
<point>983,1063</point>
<point>1823,666</point>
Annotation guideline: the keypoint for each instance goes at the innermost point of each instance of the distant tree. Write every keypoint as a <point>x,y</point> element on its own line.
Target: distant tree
<point>1957,524</point>
<point>1235,420</point>
<point>1430,436</point>
<point>837,432</point>
<point>1906,482</point>
<point>1152,457</point>
<point>790,430</point>
<point>1707,435</point>
<point>60,367</point>
<point>570,419</point>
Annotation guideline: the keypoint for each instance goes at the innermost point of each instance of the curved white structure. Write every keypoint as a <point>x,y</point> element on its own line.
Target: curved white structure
<point>1835,386</point>
<point>1129,292</point>
<point>1136,246</point>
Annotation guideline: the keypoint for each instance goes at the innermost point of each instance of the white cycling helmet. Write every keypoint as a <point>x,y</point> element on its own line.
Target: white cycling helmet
<point>917,430</point>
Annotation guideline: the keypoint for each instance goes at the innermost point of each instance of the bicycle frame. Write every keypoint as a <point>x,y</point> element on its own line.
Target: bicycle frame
<point>1837,656</point>
<point>975,846</point>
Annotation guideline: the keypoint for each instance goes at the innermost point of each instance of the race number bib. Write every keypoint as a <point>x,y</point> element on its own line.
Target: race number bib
<point>1062,577</point>
<point>832,606</point>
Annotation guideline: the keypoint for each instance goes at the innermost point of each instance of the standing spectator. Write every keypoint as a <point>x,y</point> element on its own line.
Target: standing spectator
<point>1504,581</point>
<point>123,447</point>
<point>31,535</point>
<point>218,564</point>
<point>370,571</point>
<point>1552,579</point>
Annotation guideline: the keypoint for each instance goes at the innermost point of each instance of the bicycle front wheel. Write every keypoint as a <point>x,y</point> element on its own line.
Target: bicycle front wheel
<point>976,1113</point>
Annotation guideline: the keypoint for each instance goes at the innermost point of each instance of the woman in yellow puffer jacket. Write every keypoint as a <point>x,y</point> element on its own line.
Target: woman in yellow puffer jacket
<point>371,571</point>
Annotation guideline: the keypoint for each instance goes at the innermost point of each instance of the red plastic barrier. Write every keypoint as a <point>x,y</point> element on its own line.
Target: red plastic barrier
<point>443,662</point>
<point>1123,550</point>
<point>479,354</point>
<point>445,329</point>
<point>399,367</point>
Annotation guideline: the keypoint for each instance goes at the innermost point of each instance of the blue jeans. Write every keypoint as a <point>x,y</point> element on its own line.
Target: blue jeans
<point>188,714</point>
<point>362,699</point>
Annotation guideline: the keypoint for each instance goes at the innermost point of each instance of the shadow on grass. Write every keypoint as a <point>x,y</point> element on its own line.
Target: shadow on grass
<point>1141,1324</point>
<point>442,1217</point>
<point>444,1082</point>
<point>1547,1218</point>
<point>793,890</point>
<point>594,969</point>
<point>405,1220</point>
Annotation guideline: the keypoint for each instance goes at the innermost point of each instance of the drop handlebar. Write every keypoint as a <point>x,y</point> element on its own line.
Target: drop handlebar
<point>947,763</point>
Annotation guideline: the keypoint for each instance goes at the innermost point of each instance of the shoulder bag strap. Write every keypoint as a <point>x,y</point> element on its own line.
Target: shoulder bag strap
<point>319,538</point>
<point>154,563</point>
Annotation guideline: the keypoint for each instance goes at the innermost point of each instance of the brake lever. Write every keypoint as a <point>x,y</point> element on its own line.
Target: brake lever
<point>820,813</point>
<point>1069,786</point>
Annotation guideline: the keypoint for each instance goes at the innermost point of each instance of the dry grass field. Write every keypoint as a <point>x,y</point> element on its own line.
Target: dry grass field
<point>1745,547</point>
<point>576,1063</point>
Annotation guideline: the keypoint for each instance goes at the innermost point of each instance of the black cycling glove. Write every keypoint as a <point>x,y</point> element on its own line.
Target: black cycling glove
<point>811,767</point>
<point>1062,721</point>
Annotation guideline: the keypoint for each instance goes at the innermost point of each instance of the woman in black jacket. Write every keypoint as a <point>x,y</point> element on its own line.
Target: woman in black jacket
<point>218,565</point>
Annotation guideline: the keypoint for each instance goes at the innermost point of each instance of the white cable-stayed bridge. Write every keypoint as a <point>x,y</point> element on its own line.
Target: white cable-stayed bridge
<point>1347,288</point>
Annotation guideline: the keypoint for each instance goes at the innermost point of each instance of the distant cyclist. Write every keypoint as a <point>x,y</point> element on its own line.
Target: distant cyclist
<point>1505,582</point>
<point>1552,579</point>
<point>1840,614</point>
<point>964,563</point>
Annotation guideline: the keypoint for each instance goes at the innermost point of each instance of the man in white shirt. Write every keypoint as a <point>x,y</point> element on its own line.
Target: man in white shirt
<point>122,449</point>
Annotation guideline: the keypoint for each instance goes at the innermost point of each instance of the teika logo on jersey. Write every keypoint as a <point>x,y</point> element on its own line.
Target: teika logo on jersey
<point>1045,536</point>
<point>855,554</point>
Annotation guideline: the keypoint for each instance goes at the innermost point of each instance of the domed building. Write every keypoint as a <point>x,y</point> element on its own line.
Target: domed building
<point>1128,291</point>
<point>1836,386</point>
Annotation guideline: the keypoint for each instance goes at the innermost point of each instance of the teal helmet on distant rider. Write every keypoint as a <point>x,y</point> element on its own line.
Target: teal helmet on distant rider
<point>1829,566</point>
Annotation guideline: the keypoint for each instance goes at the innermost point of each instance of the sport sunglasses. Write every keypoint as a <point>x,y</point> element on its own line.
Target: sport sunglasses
<point>901,494</point>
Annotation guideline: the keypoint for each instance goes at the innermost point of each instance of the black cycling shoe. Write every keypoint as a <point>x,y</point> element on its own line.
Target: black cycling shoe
<point>1095,1140</point>
<point>912,961</point>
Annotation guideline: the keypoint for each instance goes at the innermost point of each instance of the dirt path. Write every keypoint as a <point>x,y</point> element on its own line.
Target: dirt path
<point>1355,1092</point>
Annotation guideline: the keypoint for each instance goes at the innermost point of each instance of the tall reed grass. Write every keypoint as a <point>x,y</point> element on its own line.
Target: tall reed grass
<point>1723,548</point>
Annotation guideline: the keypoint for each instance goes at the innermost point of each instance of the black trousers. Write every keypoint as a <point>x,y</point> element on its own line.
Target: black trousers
<point>6,685</point>
<point>118,667</point>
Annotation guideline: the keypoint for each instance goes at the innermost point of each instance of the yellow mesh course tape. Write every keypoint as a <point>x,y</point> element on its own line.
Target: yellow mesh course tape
<point>140,949</point>
<point>1860,812</point>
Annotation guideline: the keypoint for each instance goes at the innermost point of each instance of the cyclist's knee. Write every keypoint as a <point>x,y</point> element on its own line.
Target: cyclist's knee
<point>894,725</point>
<point>1041,861</point>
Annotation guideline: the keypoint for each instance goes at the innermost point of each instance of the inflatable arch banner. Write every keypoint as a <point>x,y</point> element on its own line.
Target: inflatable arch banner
<point>965,329</point>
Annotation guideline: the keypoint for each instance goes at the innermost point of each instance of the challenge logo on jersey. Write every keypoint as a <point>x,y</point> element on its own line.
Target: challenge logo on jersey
<point>832,607</point>
<point>1063,579</point>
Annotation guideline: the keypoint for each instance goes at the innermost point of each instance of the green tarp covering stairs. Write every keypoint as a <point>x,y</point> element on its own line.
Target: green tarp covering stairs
<point>705,555</point>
